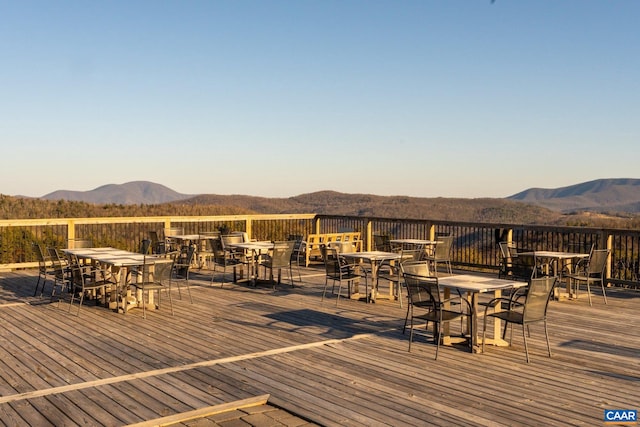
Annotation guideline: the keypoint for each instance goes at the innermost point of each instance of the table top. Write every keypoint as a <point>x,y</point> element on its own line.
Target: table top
<point>414,241</point>
<point>373,255</point>
<point>473,283</point>
<point>186,236</point>
<point>252,245</point>
<point>113,256</point>
<point>554,254</point>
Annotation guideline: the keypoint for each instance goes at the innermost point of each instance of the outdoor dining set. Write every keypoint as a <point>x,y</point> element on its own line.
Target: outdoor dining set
<point>418,273</point>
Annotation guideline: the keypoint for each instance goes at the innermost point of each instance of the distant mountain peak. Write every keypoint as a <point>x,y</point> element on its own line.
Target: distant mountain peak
<point>601,195</point>
<point>134,192</point>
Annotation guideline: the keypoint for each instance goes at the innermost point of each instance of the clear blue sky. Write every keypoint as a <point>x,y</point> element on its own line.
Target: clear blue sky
<point>279,98</point>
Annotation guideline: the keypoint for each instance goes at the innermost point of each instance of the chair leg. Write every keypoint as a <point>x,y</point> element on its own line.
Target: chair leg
<point>170,301</point>
<point>73,294</point>
<point>188,291</point>
<point>144,305</point>
<point>438,326</point>
<point>406,318</point>
<point>37,285</point>
<point>81,300</point>
<point>589,293</point>
<point>546,334</point>
<point>339,291</point>
<point>604,294</point>
<point>410,333</point>
<point>484,332</point>
<point>526,348</point>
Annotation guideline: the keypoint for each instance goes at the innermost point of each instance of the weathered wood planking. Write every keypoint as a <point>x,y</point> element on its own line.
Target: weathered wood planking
<point>345,365</point>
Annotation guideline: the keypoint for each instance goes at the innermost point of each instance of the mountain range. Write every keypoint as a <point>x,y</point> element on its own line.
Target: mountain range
<point>135,192</point>
<point>619,195</point>
<point>616,195</point>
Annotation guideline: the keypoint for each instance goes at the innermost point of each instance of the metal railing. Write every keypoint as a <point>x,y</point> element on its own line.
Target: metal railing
<point>474,248</point>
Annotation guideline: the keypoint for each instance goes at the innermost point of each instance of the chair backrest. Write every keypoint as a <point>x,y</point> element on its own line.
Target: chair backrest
<point>597,262</point>
<point>415,268</point>
<point>381,243</point>
<point>79,243</point>
<point>537,299</point>
<point>145,246</point>
<point>332,263</point>
<point>443,248</point>
<point>298,246</point>
<point>281,253</point>
<point>77,273</point>
<point>507,250</point>
<point>216,248</point>
<point>40,256</point>
<point>409,255</point>
<point>173,231</point>
<point>157,246</point>
<point>231,238</point>
<point>524,267</point>
<point>57,262</point>
<point>185,259</point>
<point>162,272</point>
<point>422,290</point>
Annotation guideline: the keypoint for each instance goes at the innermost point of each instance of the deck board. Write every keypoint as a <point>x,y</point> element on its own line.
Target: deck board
<point>345,365</point>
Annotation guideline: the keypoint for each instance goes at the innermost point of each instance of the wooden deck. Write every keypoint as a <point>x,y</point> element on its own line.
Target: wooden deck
<point>344,366</point>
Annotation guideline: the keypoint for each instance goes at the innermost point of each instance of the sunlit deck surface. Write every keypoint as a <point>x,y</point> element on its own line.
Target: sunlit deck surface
<point>328,365</point>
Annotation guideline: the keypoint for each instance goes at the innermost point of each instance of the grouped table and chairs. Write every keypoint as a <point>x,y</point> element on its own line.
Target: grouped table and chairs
<point>440,300</point>
<point>375,259</point>
<point>435,296</point>
<point>109,275</point>
<point>572,268</point>
<point>113,266</point>
<point>338,269</point>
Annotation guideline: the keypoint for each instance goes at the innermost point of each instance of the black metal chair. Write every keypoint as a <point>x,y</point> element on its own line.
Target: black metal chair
<point>86,279</point>
<point>415,268</point>
<point>532,310</point>
<point>61,272</point>
<point>181,266</point>
<point>220,257</point>
<point>428,304</point>
<point>298,252</point>
<point>45,268</point>
<point>338,269</point>
<point>442,253</point>
<point>277,259</point>
<point>158,246</point>
<point>591,271</point>
<point>381,243</point>
<point>155,277</point>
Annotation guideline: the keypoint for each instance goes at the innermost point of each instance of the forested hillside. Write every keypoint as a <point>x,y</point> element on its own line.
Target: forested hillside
<point>326,202</point>
<point>17,207</point>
